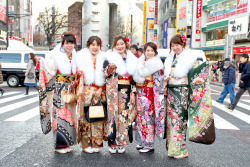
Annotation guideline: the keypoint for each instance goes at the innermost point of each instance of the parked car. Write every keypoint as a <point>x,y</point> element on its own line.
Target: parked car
<point>13,64</point>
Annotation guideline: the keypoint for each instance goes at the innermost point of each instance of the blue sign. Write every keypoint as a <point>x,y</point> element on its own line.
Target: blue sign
<point>165,35</point>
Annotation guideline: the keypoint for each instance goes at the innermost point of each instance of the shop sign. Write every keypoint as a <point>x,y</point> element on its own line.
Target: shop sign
<point>222,14</point>
<point>181,19</point>
<point>210,43</point>
<point>241,50</point>
<point>242,6</point>
<point>198,20</point>
<point>156,11</point>
<point>3,10</point>
<point>165,34</point>
<point>220,42</point>
<point>238,26</point>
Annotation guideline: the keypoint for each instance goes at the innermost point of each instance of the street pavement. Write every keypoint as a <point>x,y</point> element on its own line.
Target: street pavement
<point>24,144</point>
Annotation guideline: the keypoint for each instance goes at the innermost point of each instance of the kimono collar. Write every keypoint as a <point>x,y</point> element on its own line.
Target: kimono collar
<point>85,64</point>
<point>150,67</point>
<point>63,63</point>
<point>123,67</point>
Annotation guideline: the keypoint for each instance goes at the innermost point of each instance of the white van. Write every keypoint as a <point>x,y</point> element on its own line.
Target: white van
<point>13,64</point>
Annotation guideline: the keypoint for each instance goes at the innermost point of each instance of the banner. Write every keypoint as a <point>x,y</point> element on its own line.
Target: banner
<point>242,6</point>
<point>144,21</point>
<point>181,17</point>
<point>198,20</point>
<point>165,35</point>
<point>156,11</point>
<point>3,10</point>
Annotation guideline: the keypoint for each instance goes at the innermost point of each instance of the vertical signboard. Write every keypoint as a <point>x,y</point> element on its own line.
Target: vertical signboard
<point>3,10</point>
<point>165,35</point>
<point>156,11</point>
<point>30,23</point>
<point>198,20</point>
<point>242,6</point>
<point>181,17</point>
<point>150,21</point>
<point>144,21</point>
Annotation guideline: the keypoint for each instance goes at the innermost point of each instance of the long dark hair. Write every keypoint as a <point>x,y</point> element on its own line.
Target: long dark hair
<point>32,56</point>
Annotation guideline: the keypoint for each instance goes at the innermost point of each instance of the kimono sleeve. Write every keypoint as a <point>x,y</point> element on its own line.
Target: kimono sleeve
<point>200,111</point>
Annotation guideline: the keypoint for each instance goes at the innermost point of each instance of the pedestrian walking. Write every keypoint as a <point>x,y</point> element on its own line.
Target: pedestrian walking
<point>229,82</point>
<point>188,98</point>
<point>119,69</point>
<point>30,74</point>
<point>150,120</point>
<point>58,98</point>
<point>1,79</point>
<point>244,84</point>
<point>134,50</point>
<point>90,89</point>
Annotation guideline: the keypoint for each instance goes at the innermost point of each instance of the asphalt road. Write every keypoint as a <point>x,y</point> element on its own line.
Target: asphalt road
<point>24,144</point>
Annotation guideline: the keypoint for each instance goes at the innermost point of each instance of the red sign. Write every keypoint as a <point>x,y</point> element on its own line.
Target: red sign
<point>198,20</point>
<point>242,6</point>
<point>182,13</point>
<point>241,50</point>
<point>156,12</point>
<point>3,10</point>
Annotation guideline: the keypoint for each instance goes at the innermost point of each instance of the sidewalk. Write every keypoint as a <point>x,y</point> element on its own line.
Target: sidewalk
<point>222,84</point>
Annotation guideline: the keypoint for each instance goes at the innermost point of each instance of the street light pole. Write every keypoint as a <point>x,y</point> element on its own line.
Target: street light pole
<point>7,22</point>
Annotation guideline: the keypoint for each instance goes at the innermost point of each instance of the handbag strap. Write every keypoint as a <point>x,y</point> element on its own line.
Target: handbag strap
<point>91,103</point>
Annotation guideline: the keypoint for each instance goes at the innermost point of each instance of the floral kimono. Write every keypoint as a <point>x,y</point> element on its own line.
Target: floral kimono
<point>89,80</point>
<point>183,104</point>
<point>54,111</point>
<point>119,86</point>
<point>150,105</point>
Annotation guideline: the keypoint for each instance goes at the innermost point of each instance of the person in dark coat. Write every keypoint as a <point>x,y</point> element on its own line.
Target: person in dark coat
<point>229,82</point>
<point>1,79</point>
<point>244,85</point>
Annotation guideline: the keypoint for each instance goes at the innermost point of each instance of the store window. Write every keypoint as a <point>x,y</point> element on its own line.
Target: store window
<point>216,34</point>
<point>174,4</point>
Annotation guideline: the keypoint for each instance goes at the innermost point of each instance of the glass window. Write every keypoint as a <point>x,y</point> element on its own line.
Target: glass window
<point>10,57</point>
<point>26,57</point>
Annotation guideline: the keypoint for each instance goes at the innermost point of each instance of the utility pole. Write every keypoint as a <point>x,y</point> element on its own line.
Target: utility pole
<point>53,25</point>
<point>131,30</point>
<point>7,23</point>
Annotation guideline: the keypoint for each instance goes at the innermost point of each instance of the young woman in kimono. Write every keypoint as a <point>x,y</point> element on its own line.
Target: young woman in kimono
<point>188,98</point>
<point>150,118</point>
<point>56,77</point>
<point>119,69</point>
<point>91,82</point>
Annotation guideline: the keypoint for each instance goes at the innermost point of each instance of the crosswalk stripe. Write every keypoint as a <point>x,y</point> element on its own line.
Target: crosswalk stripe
<point>17,105</point>
<point>239,104</point>
<point>240,115</point>
<point>221,123</point>
<point>16,97</point>
<point>248,101</point>
<point>9,93</point>
<point>221,91</point>
<point>22,117</point>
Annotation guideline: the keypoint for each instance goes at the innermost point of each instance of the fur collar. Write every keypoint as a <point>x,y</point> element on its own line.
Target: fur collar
<point>185,62</point>
<point>123,67</point>
<point>62,61</point>
<point>85,63</point>
<point>150,67</point>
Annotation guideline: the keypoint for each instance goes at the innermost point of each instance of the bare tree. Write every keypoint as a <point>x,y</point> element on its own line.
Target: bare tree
<point>52,23</point>
<point>122,26</point>
<point>38,38</point>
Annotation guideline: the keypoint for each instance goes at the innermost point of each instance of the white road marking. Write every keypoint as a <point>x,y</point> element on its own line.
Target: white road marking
<point>245,106</point>
<point>25,115</point>
<point>221,123</point>
<point>16,97</point>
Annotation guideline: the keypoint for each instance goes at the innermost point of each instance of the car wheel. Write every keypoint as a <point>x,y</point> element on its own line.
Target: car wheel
<point>13,81</point>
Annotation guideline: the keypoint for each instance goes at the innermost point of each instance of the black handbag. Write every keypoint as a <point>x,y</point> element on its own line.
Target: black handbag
<point>86,111</point>
<point>31,75</point>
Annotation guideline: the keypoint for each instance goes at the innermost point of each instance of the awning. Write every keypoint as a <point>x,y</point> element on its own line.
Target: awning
<point>220,47</point>
<point>241,50</point>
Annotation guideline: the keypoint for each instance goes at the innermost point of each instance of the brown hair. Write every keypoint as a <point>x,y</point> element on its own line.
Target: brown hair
<point>176,40</point>
<point>116,39</point>
<point>94,38</point>
<point>32,56</point>
<point>68,37</point>
<point>152,45</point>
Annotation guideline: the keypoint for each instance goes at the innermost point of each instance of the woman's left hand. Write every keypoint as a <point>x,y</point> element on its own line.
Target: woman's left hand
<point>25,75</point>
<point>98,93</point>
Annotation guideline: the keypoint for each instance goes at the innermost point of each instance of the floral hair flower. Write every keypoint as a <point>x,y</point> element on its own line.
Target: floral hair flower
<point>127,40</point>
<point>184,39</point>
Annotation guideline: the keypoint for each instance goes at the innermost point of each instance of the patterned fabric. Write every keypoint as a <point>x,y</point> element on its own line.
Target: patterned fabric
<point>151,110</point>
<point>201,120</point>
<point>119,109</point>
<point>63,119</point>
<point>89,134</point>
<point>65,78</point>
<point>177,116</point>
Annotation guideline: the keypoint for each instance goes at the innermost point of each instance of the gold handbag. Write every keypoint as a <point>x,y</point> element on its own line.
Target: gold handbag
<point>69,97</point>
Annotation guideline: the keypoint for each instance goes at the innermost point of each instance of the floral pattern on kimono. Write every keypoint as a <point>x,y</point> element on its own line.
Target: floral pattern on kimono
<point>119,110</point>
<point>89,134</point>
<point>151,110</point>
